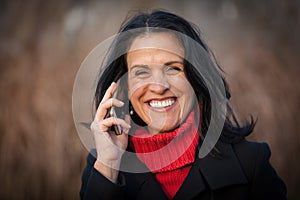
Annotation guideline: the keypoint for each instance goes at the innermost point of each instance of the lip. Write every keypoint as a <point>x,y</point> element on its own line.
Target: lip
<point>165,109</point>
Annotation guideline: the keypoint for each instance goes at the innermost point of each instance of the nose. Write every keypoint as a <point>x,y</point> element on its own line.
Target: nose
<point>159,83</point>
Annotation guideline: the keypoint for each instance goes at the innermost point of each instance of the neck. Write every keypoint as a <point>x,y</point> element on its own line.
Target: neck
<point>154,131</point>
<point>163,152</point>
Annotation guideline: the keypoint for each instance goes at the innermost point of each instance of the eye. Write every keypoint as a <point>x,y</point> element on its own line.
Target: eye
<point>173,69</point>
<point>142,73</point>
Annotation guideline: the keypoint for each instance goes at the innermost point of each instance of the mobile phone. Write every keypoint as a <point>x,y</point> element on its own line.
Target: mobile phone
<point>116,128</point>
<point>112,113</point>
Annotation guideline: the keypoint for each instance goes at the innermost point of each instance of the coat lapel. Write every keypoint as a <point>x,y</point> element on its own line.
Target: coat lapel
<point>192,185</point>
<point>208,173</point>
<point>150,189</point>
<point>212,173</point>
<point>224,170</point>
<point>140,185</point>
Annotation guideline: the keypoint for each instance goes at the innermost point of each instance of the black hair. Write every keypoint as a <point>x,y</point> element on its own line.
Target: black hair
<point>116,68</point>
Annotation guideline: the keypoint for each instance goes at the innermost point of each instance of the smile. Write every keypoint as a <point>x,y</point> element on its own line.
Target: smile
<point>161,104</point>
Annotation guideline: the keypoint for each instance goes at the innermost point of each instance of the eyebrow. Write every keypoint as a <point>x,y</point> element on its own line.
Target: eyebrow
<point>146,66</point>
<point>173,62</point>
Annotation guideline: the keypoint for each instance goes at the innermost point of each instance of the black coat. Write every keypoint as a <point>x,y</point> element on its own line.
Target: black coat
<point>242,172</point>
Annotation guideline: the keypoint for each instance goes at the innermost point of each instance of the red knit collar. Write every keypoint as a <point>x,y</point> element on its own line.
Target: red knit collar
<point>167,151</point>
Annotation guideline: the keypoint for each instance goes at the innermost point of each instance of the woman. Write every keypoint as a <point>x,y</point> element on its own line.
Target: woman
<point>166,94</point>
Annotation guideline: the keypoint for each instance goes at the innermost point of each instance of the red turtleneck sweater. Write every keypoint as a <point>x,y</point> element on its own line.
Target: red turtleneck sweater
<point>169,155</point>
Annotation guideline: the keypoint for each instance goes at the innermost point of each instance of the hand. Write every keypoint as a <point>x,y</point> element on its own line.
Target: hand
<point>110,147</point>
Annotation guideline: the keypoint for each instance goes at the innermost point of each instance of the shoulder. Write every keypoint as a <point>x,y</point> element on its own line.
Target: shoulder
<point>248,150</point>
<point>251,149</point>
<point>254,158</point>
<point>251,155</point>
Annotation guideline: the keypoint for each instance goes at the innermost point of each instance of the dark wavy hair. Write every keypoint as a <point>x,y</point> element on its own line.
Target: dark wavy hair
<point>116,67</point>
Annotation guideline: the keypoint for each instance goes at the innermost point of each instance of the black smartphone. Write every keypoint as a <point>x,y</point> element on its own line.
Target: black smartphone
<point>113,113</point>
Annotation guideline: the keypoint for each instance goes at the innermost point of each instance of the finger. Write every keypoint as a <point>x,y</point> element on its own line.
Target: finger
<point>97,127</point>
<point>105,106</point>
<point>127,119</point>
<point>105,124</point>
<point>112,102</point>
<point>109,92</point>
<point>115,121</point>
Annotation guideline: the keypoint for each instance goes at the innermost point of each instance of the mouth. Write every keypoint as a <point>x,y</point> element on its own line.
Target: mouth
<point>161,104</point>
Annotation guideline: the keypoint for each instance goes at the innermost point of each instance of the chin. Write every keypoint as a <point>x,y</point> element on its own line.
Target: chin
<point>158,129</point>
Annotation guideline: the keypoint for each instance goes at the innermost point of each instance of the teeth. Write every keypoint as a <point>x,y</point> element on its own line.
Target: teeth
<point>161,104</point>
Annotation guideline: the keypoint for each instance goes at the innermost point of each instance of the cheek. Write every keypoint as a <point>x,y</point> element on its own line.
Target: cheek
<point>181,84</point>
<point>131,92</point>
<point>135,93</point>
<point>135,88</point>
<point>190,94</point>
<point>188,97</point>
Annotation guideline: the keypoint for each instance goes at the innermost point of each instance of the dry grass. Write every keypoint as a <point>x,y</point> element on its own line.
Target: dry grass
<point>41,156</point>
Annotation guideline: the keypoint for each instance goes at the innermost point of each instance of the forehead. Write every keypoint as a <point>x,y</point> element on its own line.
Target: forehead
<point>156,45</point>
<point>151,56</point>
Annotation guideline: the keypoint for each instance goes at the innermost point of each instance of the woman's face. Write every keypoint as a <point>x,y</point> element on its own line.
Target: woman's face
<point>158,88</point>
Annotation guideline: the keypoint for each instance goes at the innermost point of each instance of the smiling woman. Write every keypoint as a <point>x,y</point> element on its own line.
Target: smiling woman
<point>158,88</point>
<point>171,108</point>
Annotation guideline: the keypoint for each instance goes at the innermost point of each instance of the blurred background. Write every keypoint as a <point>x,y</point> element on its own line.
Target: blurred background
<point>42,44</point>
